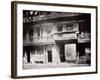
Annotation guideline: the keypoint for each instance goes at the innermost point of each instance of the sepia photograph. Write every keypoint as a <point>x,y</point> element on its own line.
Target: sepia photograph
<point>56,39</point>
<point>53,39</point>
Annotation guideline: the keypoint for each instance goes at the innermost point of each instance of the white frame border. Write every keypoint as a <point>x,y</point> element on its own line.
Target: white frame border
<point>30,72</point>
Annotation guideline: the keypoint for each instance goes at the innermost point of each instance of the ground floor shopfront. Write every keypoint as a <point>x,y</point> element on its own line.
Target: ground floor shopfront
<point>63,51</point>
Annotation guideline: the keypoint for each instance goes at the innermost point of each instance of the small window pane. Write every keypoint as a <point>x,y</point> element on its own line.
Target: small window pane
<point>69,26</point>
<point>60,27</point>
<point>38,31</point>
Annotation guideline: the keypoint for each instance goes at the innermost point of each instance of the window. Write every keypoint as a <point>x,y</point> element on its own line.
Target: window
<point>59,27</point>
<point>48,29</point>
<point>69,26</point>
<point>31,34</point>
<point>38,31</point>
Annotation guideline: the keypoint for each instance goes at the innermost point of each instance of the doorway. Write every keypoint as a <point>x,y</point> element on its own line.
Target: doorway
<point>49,55</point>
<point>61,51</point>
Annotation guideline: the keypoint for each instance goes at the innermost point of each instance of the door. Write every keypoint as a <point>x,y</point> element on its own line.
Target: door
<point>49,56</point>
<point>70,52</point>
<point>61,52</point>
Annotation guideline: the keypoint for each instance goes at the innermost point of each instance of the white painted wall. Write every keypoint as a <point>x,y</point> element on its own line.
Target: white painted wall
<point>55,55</point>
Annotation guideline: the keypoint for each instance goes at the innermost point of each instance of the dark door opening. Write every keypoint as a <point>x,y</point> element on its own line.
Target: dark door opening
<point>49,56</point>
<point>81,49</point>
<point>62,53</point>
<point>28,56</point>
